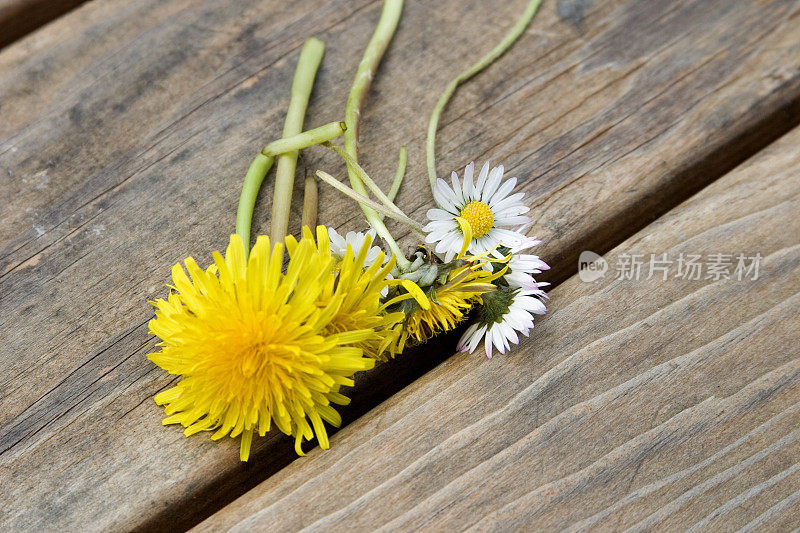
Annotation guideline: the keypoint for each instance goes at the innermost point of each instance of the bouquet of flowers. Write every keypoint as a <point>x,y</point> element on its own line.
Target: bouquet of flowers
<point>269,335</point>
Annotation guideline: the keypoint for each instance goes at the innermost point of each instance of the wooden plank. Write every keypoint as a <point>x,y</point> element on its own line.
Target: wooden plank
<point>126,131</point>
<point>20,17</point>
<point>649,404</point>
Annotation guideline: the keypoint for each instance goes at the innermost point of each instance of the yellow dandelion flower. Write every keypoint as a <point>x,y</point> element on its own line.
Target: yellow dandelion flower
<point>449,302</point>
<point>358,295</point>
<point>255,345</point>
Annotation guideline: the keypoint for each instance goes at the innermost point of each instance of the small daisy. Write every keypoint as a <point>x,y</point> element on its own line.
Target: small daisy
<point>356,240</point>
<point>504,312</point>
<point>488,206</point>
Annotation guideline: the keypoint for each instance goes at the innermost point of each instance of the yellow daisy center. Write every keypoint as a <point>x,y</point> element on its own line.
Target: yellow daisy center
<point>480,217</point>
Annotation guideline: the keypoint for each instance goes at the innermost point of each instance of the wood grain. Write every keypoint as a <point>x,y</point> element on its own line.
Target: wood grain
<point>127,127</point>
<point>20,17</point>
<point>655,404</point>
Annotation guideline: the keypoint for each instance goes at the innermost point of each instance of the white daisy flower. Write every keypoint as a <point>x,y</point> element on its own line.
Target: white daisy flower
<point>522,267</point>
<point>356,240</point>
<point>503,313</point>
<point>487,205</point>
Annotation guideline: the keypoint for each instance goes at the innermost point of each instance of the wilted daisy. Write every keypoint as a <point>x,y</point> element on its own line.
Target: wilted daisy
<point>487,206</point>
<point>504,312</point>
<point>257,345</point>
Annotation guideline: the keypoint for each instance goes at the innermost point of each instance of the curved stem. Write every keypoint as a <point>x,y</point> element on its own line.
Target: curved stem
<point>390,16</point>
<point>306,71</point>
<point>485,61</point>
<point>263,162</point>
<point>247,200</point>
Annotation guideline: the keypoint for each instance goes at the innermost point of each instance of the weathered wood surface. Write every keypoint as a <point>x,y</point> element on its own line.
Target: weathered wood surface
<point>20,17</point>
<point>126,128</point>
<point>647,404</point>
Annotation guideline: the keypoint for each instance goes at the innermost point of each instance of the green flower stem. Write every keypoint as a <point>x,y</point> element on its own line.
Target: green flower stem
<point>247,201</point>
<point>310,58</point>
<point>484,62</point>
<point>305,139</point>
<point>390,16</point>
<point>399,175</point>
<point>263,162</point>
<point>365,179</point>
<point>364,201</point>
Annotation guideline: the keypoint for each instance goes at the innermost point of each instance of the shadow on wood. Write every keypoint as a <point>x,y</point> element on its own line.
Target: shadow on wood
<point>20,17</point>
